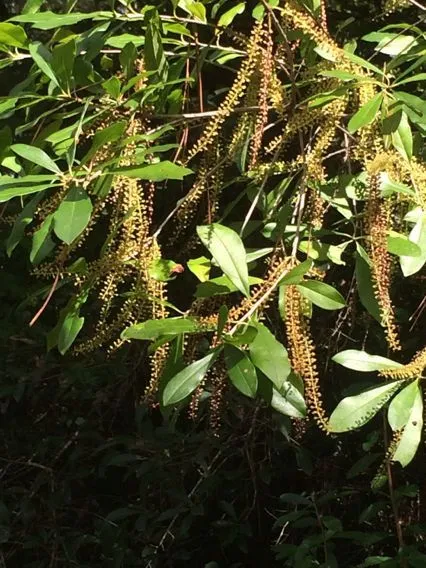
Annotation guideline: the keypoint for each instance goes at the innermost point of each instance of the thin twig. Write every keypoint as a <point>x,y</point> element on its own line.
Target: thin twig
<point>46,301</point>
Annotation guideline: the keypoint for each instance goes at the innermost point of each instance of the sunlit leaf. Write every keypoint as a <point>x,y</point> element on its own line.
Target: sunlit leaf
<point>364,362</point>
<point>354,411</point>
<point>72,215</point>
<point>322,295</point>
<point>270,356</point>
<point>241,370</point>
<point>366,114</point>
<point>187,380</point>
<point>228,251</point>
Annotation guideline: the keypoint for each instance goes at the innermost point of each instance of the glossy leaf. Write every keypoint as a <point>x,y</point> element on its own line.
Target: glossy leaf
<point>42,244</point>
<point>12,35</point>
<point>201,267</point>
<point>364,362</point>
<point>366,114</point>
<point>48,20</point>
<point>228,251</point>
<point>402,138</point>
<point>221,285</point>
<point>289,400</point>
<point>152,329</point>
<point>187,380</point>
<point>412,434</point>
<point>241,370</point>
<point>354,411</point>
<point>412,264</point>
<point>322,295</point>
<point>270,356</point>
<point>227,17</point>
<point>365,286</point>
<point>71,327</point>
<point>24,219</point>
<point>402,246</point>
<point>296,274</point>
<point>36,156</point>
<point>42,58</point>
<point>154,172</point>
<point>72,215</point>
<point>400,408</point>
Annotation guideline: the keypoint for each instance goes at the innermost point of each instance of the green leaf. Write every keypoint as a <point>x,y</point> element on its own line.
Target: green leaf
<point>36,156</point>
<point>412,264</point>
<point>365,285</point>
<point>296,274</point>
<point>48,20</point>
<point>289,400</point>
<point>105,136</point>
<point>270,356</point>
<point>400,408</point>
<point>63,58</point>
<point>42,58</point>
<point>162,269</point>
<point>201,267</point>
<point>72,215</point>
<point>71,327</point>
<point>412,434</point>
<point>221,285</point>
<point>42,244</point>
<point>412,79</point>
<point>12,35</point>
<point>112,87</point>
<point>154,56</point>
<point>241,370</point>
<point>343,75</point>
<point>366,114</point>
<point>222,319</point>
<point>196,9</point>
<point>187,380</point>
<point>354,411</point>
<point>402,246</point>
<point>228,251</point>
<point>228,17</point>
<point>402,138</point>
<point>322,295</point>
<point>154,172</point>
<point>153,329</point>
<point>24,219</point>
<point>388,187</point>
<point>364,362</point>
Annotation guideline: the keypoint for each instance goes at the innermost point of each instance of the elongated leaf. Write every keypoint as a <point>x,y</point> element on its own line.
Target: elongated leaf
<point>154,56</point>
<point>366,114</point>
<point>71,327</point>
<point>12,35</point>
<point>42,58</point>
<point>354,411</point>
<point>289,400</point>
<point>36,156</point>
<point>364,362</point>
<point>296,274</point>
<point>42,244</point>
<point>241,370</point>
<point>187,380</point>
<point>388,187</point>
<point>401,407</point>
<point>201,267</point>
<point>227,17</point>
<point>402,138</point>
<point>322,295</point>
<point>365,287</point>
<point>24,219</point>
<point>412,264</point>
<point>221,285</point>
<point>402,246</point>
<point>48,20</point>
<point>412,434</point>
<point>152,329</point>
<point>72,215</point>
<point>270,356</point>
<point>228,251</point>
<point>154,172</point>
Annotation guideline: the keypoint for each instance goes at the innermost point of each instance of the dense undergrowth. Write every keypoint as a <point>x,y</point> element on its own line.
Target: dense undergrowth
<point>214,240</point>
